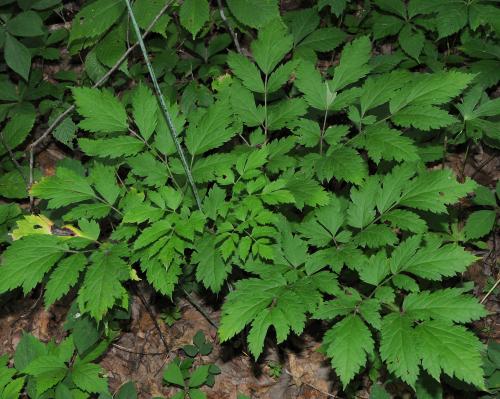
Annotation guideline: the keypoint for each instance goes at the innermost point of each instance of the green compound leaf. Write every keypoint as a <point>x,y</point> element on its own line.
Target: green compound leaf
<point>430,89</point>
<point>348,343</point>
<point>193,15</point>
<point>211,269</point>
<point>27,260</point>
<point>211,131</point>
<point>48,370</point>
<point>398,347</point>
<point>246,71</point>
<point>17,56</point>
<point>102,285</point>
<point>353,63</point>
<point>65,188</point>
<point>433,190</point>
<point>145,109</point>
<point>250,302</point>
<point>382,142</point>
<point>86,377</point>
<point>272,45</point>
<point>112,148</point>
<point>449,305</point>
<point>317,92</point>
<point>434,262</point>
<point>479,224</point>
<point>450,349</point>
<point>64,276</point>
<point>101,110</point>
<point>423,117</point>
<point>162,277</point>
<point>254,13</point>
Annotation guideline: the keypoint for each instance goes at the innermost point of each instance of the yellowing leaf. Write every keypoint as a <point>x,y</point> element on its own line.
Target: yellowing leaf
<point>32,224</point>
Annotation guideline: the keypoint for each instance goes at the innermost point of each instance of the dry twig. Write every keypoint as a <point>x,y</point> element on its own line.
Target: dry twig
<point>199,309</point>
<point>153,317</point>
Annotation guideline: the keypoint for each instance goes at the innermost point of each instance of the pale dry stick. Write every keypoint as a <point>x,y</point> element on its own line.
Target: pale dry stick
<point>163,107</point>
<point>491,290</point>
<point>97,84</point>
<point>231,30</point>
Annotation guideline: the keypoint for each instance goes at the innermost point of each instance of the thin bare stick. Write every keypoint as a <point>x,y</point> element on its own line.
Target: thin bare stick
<point>153,317</point>
<point>199,309</point>
<point>483,164</point>
<point>491,290</point>
<point>234,35</point>
<point>51,128</point>
<point>31,309</point>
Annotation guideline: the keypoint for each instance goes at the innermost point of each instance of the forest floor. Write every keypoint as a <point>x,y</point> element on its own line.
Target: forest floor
<point>295,370</point>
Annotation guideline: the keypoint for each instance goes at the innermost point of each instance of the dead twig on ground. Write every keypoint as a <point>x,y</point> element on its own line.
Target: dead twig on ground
<point>153,317</point>
<point>198,307</point>
<point>490,291</point>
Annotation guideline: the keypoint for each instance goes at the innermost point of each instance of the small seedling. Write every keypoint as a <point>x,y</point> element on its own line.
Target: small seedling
<point>171,315</point>
<point>275,369</point>
<point>182,373</point>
